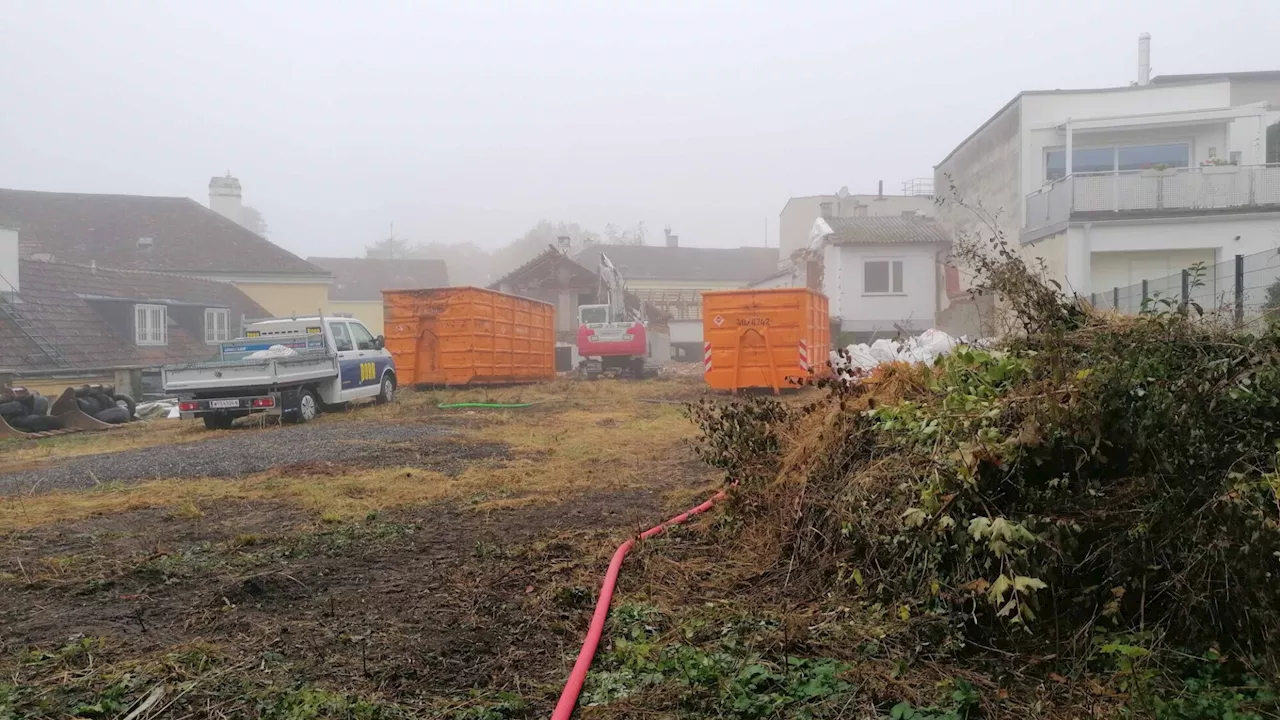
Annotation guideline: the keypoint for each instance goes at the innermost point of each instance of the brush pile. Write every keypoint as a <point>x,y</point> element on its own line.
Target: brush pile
<point>1092,473</point>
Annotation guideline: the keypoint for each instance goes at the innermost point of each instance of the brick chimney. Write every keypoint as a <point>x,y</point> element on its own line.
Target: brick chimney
<point>224,197</point>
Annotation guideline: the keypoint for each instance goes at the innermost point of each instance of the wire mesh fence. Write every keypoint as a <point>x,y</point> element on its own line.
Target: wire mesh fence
<point>1243,289</point>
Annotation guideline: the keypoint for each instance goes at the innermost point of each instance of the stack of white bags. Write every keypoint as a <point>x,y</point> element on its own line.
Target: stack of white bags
<point>859,359</point>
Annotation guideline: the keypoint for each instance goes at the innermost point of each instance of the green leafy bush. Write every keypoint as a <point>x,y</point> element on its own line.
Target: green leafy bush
<point>1091,470</point>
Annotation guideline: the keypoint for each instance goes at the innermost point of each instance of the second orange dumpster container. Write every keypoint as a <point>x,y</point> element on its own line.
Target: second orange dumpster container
<point>759,338</point>
<point>468,336</point>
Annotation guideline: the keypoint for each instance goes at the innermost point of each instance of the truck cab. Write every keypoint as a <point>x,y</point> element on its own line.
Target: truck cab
<point>291,367</point>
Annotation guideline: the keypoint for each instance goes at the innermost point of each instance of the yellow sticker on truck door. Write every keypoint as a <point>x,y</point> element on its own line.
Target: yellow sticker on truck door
<point>368,371</point>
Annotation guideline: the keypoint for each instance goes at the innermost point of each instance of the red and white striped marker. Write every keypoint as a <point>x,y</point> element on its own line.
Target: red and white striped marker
<point>804,356</point>
<point>706,357</point>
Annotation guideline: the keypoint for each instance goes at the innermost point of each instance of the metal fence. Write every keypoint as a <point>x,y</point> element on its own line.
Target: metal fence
<point>1240,288</point>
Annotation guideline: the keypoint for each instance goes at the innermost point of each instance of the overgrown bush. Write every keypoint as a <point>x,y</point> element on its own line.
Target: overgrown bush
<point>1090,472</point>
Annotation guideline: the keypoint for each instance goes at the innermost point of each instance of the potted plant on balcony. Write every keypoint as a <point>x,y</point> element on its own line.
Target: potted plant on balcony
<point>1217,166</point>
<point>1158,170</point>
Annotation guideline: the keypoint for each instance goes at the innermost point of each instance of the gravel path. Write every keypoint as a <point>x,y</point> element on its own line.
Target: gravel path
<point>244,452</point>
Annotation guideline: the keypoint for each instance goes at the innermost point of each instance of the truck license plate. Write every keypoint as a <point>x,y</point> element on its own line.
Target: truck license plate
<point>224,403</point>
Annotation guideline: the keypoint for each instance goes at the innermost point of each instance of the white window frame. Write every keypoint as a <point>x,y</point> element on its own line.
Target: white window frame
<point>151,324</point>
<point>212,336</point>
<point>889,263</point>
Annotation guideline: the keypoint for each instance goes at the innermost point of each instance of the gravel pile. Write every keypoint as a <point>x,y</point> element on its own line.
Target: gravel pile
<point>243,453</point>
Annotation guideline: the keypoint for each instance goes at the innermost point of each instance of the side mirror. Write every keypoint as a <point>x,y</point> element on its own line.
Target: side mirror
<point>380,342</point>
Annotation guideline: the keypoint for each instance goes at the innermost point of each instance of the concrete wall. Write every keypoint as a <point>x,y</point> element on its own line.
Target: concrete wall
<point>915,307</point>
<point>685,331</point>
<point>287,299</point>
<point>796,220</point>
<point>1049,253</point>
<point>369,313</point>
<point>985,168</point>
<point>1121,269</point>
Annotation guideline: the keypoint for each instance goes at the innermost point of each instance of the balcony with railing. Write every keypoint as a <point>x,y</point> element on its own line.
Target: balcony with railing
<point>1143,193</point>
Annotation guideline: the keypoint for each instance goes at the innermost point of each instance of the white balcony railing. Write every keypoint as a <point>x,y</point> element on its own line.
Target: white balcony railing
<point>1199,188</point>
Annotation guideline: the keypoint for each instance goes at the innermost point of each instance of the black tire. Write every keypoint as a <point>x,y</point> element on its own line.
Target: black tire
<point>126,402</point>
<point>218,421</point>
<point>305,407</point>
<point>12,409</point>
<point>387,393</point>
<point>113,415</point>
<point>41,405</point>
<point>105,402</point>
<point>37,423</point>
<point>86,405</point>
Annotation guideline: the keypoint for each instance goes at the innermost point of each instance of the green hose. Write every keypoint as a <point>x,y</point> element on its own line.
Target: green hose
<point>449,406</point>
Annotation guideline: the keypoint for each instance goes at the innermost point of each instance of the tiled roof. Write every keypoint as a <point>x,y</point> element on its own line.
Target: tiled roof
<point>659,262</point>
<point>885,230</point>
<point>554,269</point>
<point>366,278</point>
<point>87,314</point>
<point>185,236</point>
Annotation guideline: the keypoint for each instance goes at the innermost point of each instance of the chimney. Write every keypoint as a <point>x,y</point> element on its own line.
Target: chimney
<point>880,191</point>
<point>672,240</point>
<point>8,260</point>
<point>1144,59</point>
<point>826,210</point>
<point>224,197</point>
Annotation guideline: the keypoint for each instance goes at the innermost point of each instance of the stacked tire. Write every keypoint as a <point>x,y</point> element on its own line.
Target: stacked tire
<point>28,412</point>
<point>101,402</point>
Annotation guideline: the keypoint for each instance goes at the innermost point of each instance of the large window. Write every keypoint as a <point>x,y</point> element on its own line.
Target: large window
<point>1112,158</point>
<point>150,325</point>
<point>215,325</point>
<point>882,277</point>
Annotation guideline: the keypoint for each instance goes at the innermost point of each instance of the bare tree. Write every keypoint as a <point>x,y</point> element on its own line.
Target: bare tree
<point>634,235</point>
<point>390,248</point>
<point>251,219</point>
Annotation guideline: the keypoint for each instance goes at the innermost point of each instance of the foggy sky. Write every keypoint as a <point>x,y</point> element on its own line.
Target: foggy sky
<point>473,120</point>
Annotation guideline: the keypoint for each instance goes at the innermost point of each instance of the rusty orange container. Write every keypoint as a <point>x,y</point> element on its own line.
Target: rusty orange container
<point>759,338</point>
<point>468,336</point>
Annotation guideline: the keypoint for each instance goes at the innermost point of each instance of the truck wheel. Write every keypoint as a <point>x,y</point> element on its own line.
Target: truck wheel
<point>388,392</point>
<point>218,421</point>
<point>305,408</point>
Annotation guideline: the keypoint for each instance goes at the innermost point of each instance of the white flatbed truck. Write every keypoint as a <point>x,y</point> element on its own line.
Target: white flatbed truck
<point>335,360</point>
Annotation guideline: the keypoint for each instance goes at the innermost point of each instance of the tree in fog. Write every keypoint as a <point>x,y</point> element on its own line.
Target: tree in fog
<point>634,235</point>
<point>390,248</point>
<point>536,240</point>
<point>468,263</point>
<point>251,219</point>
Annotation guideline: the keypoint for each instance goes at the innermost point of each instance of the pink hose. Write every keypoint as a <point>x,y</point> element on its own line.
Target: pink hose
<point>569,697</point>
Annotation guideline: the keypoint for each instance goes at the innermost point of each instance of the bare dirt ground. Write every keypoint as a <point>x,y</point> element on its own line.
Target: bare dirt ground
<point>417,573</point>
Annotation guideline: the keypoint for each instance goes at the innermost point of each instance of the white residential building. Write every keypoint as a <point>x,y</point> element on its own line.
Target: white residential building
<point>881,274</point>
<point>797,216</point>
<point>1115,185</point>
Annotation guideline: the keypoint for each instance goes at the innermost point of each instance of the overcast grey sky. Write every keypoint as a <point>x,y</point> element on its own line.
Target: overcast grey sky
<point>473,120</point>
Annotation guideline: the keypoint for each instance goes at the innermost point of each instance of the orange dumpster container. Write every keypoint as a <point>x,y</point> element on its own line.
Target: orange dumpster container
<point>468,336</point>
<point>757,338</point>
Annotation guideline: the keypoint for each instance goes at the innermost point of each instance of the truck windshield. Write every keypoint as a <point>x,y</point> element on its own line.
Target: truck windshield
<point>597,315</point>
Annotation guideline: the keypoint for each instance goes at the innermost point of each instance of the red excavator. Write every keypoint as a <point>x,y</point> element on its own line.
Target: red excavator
<point>612,338</point>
